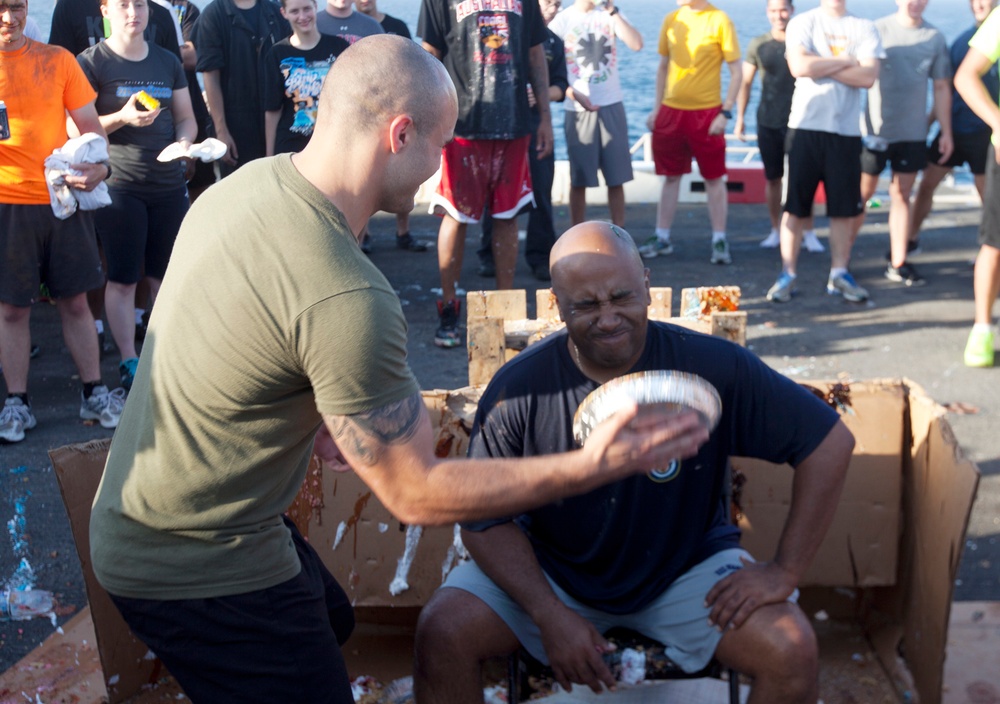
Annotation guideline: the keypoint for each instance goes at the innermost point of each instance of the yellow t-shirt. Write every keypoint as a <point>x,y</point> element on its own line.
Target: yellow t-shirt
<point>697,43</point>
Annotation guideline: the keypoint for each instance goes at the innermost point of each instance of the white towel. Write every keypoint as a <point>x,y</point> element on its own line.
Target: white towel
<point>90,148</point>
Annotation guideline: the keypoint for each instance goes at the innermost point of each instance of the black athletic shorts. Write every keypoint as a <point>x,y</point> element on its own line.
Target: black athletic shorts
<point>272,646</point>
<point>771,143</point>
<point>970,148</point>
<point>831,158</point>
<point>905,157</point>
<point>989,228</point>
<point>138,230</point>
<point>38,248</point>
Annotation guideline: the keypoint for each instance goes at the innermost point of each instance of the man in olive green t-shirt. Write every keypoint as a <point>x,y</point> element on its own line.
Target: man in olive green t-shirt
<point>270,324</point>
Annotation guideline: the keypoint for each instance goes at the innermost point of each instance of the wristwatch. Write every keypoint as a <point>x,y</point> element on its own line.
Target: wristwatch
<point>107,165</point>
<point>728,114</point>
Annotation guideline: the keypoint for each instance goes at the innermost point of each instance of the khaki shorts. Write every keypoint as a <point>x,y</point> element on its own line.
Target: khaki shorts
<point>678,618</point>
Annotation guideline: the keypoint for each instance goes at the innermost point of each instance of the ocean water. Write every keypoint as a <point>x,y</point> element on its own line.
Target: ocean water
<point>638,69</point>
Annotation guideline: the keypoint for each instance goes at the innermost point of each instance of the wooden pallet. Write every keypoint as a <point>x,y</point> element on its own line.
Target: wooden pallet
<point>499,326</point>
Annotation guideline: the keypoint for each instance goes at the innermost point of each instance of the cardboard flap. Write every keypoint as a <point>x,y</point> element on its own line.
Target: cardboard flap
<point>939,490</point>
<point>126,668</point>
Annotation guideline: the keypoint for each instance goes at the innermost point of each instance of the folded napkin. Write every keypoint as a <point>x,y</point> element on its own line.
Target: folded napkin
<point>210,150</point>
<point>89,148</point>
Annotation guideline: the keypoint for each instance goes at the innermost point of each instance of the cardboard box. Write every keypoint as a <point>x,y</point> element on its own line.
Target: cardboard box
<point>884,576</point>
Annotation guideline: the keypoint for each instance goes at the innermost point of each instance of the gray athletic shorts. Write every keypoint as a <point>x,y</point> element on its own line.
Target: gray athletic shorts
<point>678,618</point>
<point>598,140</point>
<point>989,227</point>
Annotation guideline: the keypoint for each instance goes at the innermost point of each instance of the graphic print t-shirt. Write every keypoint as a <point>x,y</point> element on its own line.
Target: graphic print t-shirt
<point>134,150</point>
<point>484,45</point>
<point>293,79</point>
<point>591,55</point>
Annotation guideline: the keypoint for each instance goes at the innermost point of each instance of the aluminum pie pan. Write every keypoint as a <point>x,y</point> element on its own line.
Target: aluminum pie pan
<point>671,390</point>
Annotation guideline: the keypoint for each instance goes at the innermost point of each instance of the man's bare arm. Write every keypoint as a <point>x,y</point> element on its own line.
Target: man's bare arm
<point>432,50</point>
<point>743,100</point>
<point>863,75</point>
<point>539,76</point>
<point>661,86</point>
<point>392,449</point>
<point>217,109</point>
<point>805,64</point>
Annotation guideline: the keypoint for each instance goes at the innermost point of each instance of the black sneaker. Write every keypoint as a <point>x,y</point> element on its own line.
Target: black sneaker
<point>904,274</point>
<point>409,244</point>
<point>447,334</point>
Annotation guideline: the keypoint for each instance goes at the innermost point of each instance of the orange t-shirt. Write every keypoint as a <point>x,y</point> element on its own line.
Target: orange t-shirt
<point>39,83</point>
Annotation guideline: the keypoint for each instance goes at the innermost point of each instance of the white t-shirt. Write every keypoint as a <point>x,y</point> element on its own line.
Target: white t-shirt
<point>32,30</point>
<point>591,55</point>
<point>825,104</point>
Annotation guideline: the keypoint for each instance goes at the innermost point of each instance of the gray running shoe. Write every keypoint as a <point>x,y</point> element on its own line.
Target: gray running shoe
<point>845,285</point>
<point>782,290</point>
<point>654,247</point>
<point>15,418</point>
<point>104,406</point>
<point>720,252</point>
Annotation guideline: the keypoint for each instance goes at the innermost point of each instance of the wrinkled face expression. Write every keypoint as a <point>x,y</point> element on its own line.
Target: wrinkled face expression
<point>301,14</point>
<point>13,15</point>
<point>778,14</point>
<point>981,9</point>
<point>604,301</point>
<point>912,8</point>
<point>550,8</point>
<point>126,16</point>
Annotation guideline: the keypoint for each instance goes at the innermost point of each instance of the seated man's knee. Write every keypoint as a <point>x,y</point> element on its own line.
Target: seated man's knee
<point>450,626</point>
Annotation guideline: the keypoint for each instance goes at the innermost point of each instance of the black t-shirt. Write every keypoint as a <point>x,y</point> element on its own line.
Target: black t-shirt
<point>293,79</point>
<point>776,83</point>
<point>484,45</point>
<point>134,150</point>
<point>78,25</point>
<point>394,25</point>
<point>619,547</point>
<point>187,15</point>
<point>227,43</point>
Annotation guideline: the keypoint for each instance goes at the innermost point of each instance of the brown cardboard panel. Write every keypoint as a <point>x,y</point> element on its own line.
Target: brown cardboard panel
<point>123,657</point>
<point>861,547</point>
<point>970,672</point>
<point>937,503</point>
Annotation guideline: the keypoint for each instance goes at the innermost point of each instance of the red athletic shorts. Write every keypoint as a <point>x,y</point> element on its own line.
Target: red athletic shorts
<point>680,134</point>
<point>476,173</point>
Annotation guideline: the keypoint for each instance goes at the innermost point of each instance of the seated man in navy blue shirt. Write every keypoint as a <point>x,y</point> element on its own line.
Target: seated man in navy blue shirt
<point>653,553</point>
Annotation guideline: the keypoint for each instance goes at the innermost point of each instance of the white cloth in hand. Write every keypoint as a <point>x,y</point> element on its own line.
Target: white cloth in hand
<point>90,148</point>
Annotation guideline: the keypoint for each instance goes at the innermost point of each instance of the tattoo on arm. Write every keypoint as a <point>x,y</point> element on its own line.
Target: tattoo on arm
<point>365,434</point>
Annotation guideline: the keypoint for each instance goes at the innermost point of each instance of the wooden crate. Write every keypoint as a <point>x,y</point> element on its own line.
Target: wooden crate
<point>499,326</point>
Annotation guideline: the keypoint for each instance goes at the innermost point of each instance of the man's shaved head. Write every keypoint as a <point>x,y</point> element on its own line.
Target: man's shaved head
<point>602,289</point>
<point>593,238</point>
<point>379,77</point>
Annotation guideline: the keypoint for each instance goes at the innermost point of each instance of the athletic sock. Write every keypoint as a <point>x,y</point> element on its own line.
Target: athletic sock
<point>99,324</point>
<point>23,397</point>
<point>983,327</point>
<point>663,234</point>
<point>138,315</point>
<point>837,271</point>
<point>716,236</point>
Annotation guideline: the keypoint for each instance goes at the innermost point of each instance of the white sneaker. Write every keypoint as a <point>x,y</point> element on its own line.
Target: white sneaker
<point>720,252</point>
<point>654,247</point>
<point>811,242</point>
<point>103,406</point>
<point>845,285</point>
<point>771,241</point>
<point>15,418</point>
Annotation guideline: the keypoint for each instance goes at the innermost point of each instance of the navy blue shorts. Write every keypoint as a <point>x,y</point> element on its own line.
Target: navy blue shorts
<point>276,645</point>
